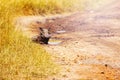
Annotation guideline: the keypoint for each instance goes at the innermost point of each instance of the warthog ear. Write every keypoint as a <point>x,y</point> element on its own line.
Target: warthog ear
<point>38,22</point>
<point>49,29</point>
<point>40,29</point>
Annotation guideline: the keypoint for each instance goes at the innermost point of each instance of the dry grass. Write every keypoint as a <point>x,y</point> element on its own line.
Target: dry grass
<point>20,58</point>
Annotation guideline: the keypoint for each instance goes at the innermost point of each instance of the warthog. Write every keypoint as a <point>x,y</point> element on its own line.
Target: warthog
<point>44,36</point>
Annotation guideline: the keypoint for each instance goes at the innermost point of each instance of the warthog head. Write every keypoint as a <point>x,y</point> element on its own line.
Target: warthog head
<point>44,35</point>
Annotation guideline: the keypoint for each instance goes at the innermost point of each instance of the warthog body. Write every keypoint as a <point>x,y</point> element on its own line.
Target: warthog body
<point>43,36</point>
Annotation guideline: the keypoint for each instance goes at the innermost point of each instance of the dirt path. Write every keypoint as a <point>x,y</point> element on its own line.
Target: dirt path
<point>90,48</point>
<point>91,45</point>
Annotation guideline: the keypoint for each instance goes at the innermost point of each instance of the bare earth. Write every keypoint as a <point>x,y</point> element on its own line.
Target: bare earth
<point>90,48</point>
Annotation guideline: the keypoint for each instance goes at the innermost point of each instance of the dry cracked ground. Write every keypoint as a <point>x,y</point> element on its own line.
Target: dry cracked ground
<point>90,48</point>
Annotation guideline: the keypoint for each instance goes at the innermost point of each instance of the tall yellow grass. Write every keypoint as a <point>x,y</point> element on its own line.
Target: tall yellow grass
<point>20,58</point>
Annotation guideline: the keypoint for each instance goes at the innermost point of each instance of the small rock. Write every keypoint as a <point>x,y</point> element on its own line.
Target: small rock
<point>106,65</point>
<point>75,61</point>
<point>76,42</point>
<point>53,79</point>
<point>78,55</point>
<point>64,75</point>
<point>102,73</point>
<point>68,70</point>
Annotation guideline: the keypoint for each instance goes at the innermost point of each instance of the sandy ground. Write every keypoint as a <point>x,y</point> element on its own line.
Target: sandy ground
<point>90,48</point>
